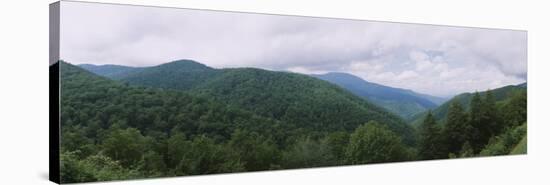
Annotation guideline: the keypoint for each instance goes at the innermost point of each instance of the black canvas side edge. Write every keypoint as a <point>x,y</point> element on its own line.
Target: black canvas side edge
<point>54,84</point>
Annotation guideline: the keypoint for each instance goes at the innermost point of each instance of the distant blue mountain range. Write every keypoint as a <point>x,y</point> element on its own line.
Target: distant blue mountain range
<point>403,102</point>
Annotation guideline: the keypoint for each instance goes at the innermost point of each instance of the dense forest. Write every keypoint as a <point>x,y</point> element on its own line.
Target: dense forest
<point>185,118</point>
<point>488,127</point>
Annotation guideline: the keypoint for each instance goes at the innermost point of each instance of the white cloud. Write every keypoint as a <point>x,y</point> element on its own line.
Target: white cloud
<point>418,56</point>
<point>436,60</point>
<point>407,75</point>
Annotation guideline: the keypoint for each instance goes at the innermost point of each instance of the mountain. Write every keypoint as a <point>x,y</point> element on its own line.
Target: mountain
<point>297,99</point>
<point>111,101</point>
<point>501,95</point>
<point>435,99</point>
<point>109,70</point>
<point>135,123</point>
<point>242,119</point>
<point>300,101</point>
<point>180,74</point>
<point>402,102</point>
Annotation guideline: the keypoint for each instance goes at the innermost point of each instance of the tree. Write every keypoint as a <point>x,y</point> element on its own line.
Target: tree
<point>256,152</point>
<point>104,168</point>
<point>490,119</point>
<point>177,147</point>
<point>431,145</point>
<point>336,143</point>
<point>466,150</point>
<point>504,143</point>
<point>71,170</point>
<point>74,139</point>
<point>306,152</point>
<point>152,164</point>
<point>93,168</point>
<point>457,128</point>
<point>113,130</point>
<point>478,140</point>
<point>374,143</point>
<point>204,156</point>
<point>514,112</point>
<point>126,146</point>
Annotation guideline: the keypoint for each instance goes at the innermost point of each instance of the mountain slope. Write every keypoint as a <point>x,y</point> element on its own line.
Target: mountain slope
<point>111,130</point>
<point>402,102</point>
<point>109,70</point>
<point>180,74</point>
<point>106,102</point>
<point>299,100</point>
<point>501,95</point>
<point>434,99</point>
<point>303,102</point>
<point>521,147</point>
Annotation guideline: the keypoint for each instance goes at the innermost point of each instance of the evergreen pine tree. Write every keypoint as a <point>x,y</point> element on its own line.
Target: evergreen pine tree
<point>430,141</point>
<point>457,128</point>
<point>477,140</point>
<point>490,119</point>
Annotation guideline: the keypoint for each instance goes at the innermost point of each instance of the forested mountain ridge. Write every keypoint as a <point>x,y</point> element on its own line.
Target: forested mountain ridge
<point>89,90</point>
<point>298,100</point>
<point>402,102</point>
<point>179,74</point>
<point>489,123</point>
<point>109,70</point>
<point>114,130</point>
<point>247,119</point>
<point>500,94</point>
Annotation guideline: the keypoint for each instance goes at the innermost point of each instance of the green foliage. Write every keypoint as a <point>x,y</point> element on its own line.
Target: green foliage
<point>306,152</point>
<point>506,142</point>
<point>466,151</point>
<point>500,95</point>
<point>104,168</point>
<point>457,128</point>
<point>126,146</point>
<point>180,74</point>
<point>246,120</point>
<point>374,143</point>
<point>71,170</point>
<point>476,114</point>
<point>152,164</point>
<point>521,147</point>
<point>483,119</point>
<point>298,100</point>
<point>93,168</point>
<point>491,120</point>
<point>431,143</point>
<point>204,156</point>
<point>489,114</point>
<point>336,142</point>
<point>514,111</point>
<point>75,140</point>
<point>255,151</point>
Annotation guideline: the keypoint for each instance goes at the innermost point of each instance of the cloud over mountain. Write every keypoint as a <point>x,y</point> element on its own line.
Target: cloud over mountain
<point>438,60</point>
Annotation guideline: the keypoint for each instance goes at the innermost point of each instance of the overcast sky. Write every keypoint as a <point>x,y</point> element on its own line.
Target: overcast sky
<point>436,60</point>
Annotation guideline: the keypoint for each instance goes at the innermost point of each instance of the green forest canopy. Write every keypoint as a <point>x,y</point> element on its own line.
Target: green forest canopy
<point>243,120</point>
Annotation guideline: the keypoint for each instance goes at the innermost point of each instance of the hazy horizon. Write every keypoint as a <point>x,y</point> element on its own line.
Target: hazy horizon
<point>436,60</point>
